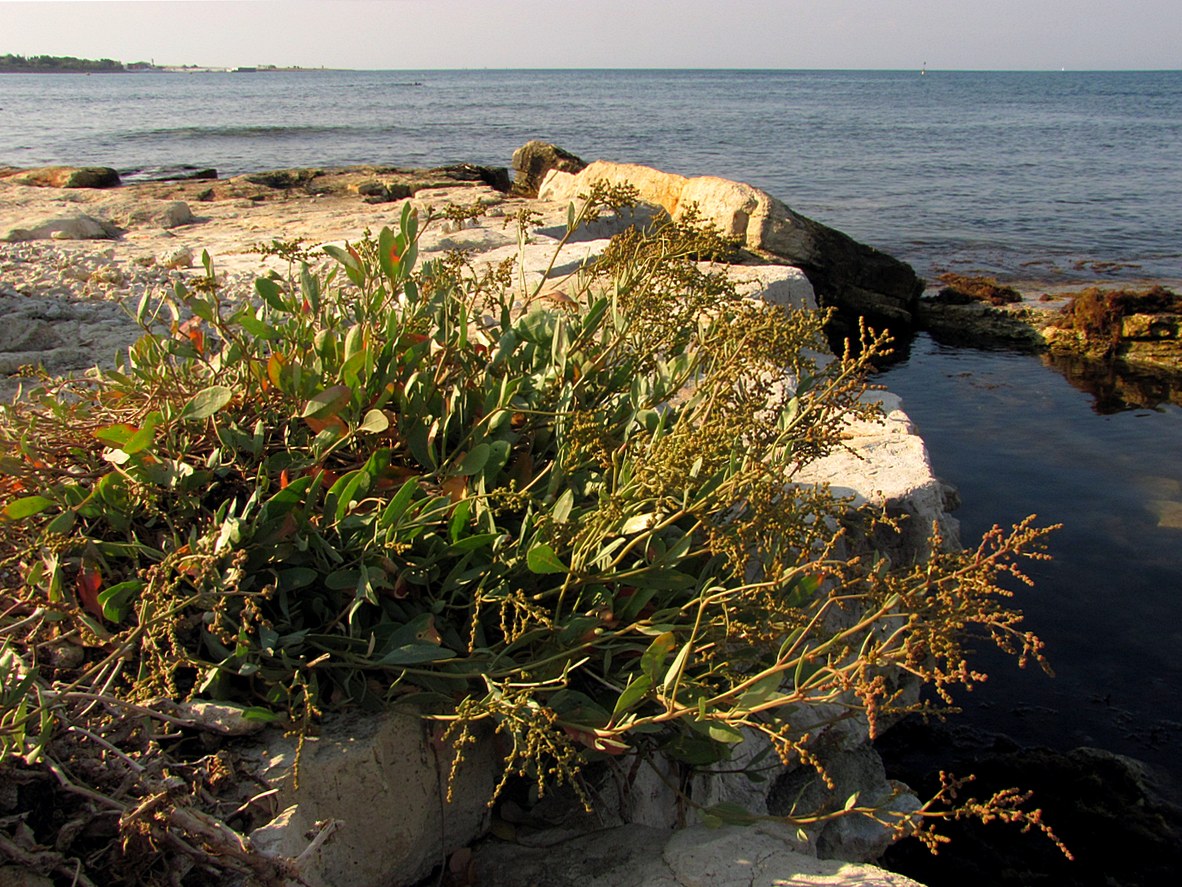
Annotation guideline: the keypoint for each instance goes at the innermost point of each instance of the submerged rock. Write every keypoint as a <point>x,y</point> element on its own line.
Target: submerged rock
<point>1139,328</point>
<point>961,322</point>
<point>960,289</point>
<point>1107,809</point>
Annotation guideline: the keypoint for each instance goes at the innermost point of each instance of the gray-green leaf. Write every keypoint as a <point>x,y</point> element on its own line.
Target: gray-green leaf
<point>205,403</point>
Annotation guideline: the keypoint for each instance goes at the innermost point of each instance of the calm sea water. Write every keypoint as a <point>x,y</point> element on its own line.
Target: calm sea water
<point>969,171</point>
<point>1018,439</point>
<point>1026,175</point>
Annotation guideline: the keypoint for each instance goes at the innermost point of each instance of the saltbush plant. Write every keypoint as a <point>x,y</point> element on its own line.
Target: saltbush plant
<point>571,511</point>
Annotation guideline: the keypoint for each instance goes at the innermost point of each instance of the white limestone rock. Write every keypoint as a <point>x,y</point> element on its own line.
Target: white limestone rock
<point>849,275</point>
<point>66,226</point>
<point>857,771</point>
<point>762,856</point>
<point>783,285</point>
<point>735,208</point>
<point>536,266</point>
<point>448,236</point>
<point>610,223</point>
<point>177,257</point>
<point>133,211</point>
<point>626,856</point>
<point>886,463</point>
<point>383,783</point>
<point>658,188</point>
<point>172,214</point>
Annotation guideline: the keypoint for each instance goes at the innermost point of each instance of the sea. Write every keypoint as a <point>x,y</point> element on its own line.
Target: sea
<point>1023,175</point>
<point>1050,179</point>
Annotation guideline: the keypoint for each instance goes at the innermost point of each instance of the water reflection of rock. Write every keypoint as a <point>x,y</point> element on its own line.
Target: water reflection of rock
<point>1116,386</point>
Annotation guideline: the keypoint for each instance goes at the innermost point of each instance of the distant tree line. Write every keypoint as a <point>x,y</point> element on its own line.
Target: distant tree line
<point>37,63</point>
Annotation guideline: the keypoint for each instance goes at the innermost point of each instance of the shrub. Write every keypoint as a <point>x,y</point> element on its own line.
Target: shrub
<point>572,513</point>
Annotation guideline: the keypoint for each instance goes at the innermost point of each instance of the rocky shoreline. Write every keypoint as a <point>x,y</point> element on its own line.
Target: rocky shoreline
<point>89,239</point>
<point>74,263</point>
<point>76,259</point>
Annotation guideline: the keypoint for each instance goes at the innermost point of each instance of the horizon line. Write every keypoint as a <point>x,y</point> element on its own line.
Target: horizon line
<point>270,67</point>
<point>692,68</point>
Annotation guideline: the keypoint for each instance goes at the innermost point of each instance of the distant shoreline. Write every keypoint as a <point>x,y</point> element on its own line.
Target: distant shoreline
<point>51,64</point>
<point>169,69</point>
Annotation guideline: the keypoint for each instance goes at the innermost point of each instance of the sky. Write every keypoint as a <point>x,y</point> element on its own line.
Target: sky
<point>417,34</point>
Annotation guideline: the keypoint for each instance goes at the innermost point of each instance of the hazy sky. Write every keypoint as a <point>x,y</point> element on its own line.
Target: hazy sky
<point>964,34</point>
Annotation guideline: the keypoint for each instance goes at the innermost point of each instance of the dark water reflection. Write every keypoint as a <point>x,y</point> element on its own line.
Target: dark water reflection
<point>1115,388</point>
<point>1017,438</point>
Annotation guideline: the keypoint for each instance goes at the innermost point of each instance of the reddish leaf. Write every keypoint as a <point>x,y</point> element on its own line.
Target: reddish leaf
<point>10,486</point>
<point>336,423</point>
<point>88,584</point>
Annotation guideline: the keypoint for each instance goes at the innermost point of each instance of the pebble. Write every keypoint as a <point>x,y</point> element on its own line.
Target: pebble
<point>179,257</point>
